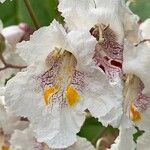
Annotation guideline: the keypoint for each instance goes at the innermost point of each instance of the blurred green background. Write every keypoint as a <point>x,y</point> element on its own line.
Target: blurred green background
<point>15,12</point>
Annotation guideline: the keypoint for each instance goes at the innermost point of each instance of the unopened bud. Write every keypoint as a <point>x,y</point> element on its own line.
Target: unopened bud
<point>13,35</point>
<point>2,44</point>
<point>27,29</point>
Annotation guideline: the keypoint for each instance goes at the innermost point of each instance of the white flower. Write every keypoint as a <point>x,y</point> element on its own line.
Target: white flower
<point>59,85</point>
<point>109,22</point>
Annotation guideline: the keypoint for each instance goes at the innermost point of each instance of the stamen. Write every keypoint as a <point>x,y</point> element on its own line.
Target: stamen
<point>134,113</point>
<point>72,95</point>
<point>61,82</point>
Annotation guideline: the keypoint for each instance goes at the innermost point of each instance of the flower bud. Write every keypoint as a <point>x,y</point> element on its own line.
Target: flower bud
<point>13,34</point>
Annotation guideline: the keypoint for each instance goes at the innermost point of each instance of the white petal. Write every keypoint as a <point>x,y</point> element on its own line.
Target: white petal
<point>2,91</point>
<point>22,140</point>
<point>143,142</point>
<point>55,127</point>
<point>136,61</point>
<point>131,27</point>
<point>82,14</point>
<point>105,101</point>
<point>144,123</point>
<point>42,42</point>
<point>82,46</point>
<point>145,28</point>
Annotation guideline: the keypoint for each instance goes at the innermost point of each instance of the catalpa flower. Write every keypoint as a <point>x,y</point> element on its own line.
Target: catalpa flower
<point>136,94</point>
<point>109,22</point>
<point>57,83</point>
<point>20,140</point>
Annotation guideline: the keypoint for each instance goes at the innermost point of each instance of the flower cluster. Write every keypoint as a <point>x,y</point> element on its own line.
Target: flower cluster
<point>97,64</point>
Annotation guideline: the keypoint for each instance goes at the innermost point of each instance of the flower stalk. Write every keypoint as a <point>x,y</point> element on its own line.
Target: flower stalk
<point>32,14</point>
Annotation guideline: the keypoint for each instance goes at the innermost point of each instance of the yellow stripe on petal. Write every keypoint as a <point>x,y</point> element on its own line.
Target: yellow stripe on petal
<point>5,147</point>
<point>134,114</point>
<point>49,91</point>
<point>72,95</point>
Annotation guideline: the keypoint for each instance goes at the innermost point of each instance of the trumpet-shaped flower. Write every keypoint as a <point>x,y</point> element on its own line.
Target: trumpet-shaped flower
<point>59,85</point>
<point>109,22</point>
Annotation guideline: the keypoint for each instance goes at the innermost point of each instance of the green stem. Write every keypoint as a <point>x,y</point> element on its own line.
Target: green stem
<point>32,15</point>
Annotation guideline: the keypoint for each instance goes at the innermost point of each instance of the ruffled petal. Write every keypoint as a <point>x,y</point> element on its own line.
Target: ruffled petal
<point>42,42</point>
<point>53,125</point>
<point>105,100</point>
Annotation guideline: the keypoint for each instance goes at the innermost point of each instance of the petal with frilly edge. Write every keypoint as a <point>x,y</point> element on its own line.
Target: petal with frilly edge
<point>145,28</point>
<point>53,125</point>
<point>53,85</point>
<point>55,90</point>
<point>25,140</point>
<point>97,16</point>
<point>106,100</point>
<point>42,42</point>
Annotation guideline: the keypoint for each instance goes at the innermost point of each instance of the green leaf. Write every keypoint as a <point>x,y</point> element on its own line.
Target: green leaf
<point>14,12</point>
<point>141,8</point>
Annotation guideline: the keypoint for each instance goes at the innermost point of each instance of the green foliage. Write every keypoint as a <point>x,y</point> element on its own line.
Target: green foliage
<point>15,11</point>
<point>141,8</point>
